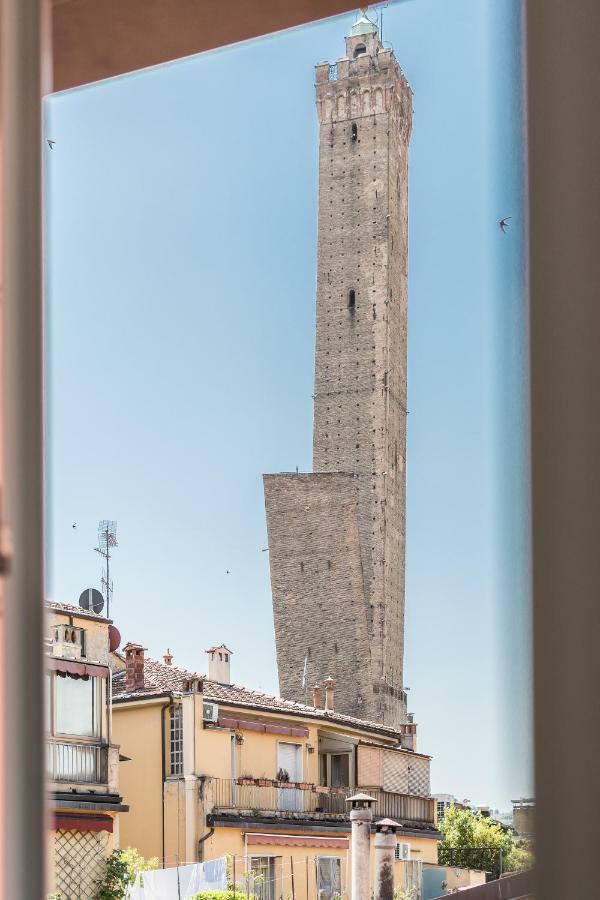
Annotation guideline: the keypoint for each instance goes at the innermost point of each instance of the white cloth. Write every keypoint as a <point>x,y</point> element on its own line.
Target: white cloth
<point>181,881</point>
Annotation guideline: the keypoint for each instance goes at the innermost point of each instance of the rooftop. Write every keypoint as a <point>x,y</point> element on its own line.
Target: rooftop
<point>69,609</point>
<point>160,678</point>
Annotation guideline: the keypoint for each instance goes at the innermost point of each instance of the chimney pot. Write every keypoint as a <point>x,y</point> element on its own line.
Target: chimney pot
<point>317,696</point>
<point>168,658</point>
<point>329,685</point>
<point>134,666</point>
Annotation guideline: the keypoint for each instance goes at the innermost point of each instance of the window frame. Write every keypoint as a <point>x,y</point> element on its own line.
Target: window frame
<point>176,741</point>
<point>98,710</point>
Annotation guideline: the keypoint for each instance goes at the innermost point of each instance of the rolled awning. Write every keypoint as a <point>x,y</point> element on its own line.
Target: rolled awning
<point>65,822</point>
<point>76,669</point>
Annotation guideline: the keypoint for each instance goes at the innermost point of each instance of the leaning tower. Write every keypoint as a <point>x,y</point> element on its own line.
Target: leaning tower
<point>337,535</point>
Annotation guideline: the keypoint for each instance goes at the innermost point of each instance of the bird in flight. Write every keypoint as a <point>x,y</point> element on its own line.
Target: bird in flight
<point>74,525</point>
<point>51,143</point>
<point>227,572</point>
<point>264,549</point>
<point>504,223</point>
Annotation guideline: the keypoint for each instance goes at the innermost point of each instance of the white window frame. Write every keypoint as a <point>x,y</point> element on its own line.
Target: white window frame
<point>176,741</point>
<point>99,705</point>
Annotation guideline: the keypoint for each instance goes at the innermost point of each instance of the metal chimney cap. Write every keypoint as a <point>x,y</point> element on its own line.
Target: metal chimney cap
<point>359,800</point>
<point>388,825</point>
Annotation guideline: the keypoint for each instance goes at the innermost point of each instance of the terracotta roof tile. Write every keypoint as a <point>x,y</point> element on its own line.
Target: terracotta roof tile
<point>162,678</point>
<point>69,609</point>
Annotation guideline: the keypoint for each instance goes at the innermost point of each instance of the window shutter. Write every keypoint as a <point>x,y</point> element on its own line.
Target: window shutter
<point>395,772</point>
<point>370,771</point>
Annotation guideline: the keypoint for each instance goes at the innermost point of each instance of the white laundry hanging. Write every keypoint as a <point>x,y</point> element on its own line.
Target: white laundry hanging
<point>180,882</point>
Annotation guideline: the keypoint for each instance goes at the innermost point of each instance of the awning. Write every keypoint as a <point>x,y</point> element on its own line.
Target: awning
<point>65,822</point>
<point>263,727</point>
<point>75,669</point>
<point>297,840</point>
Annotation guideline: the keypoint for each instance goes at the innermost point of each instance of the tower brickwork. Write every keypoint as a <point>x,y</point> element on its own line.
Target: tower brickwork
<point>337,541</point>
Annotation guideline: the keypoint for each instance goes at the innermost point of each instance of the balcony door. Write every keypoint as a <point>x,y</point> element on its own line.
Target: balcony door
<point>289,760</point>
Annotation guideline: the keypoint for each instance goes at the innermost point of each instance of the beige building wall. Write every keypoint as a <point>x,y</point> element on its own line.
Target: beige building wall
<point>138,732</point>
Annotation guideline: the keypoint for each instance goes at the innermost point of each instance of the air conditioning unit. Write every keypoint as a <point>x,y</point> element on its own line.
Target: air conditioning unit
<point>210,712</point>
<point>403,852</point>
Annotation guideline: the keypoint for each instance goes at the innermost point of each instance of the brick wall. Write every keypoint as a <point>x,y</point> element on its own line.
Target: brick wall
<point>360,405</point>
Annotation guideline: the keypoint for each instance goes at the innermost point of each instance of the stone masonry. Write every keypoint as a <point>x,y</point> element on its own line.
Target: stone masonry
<point>337,537</point>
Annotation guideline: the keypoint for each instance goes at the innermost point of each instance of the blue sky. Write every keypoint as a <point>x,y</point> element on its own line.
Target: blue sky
<point>181,242</point>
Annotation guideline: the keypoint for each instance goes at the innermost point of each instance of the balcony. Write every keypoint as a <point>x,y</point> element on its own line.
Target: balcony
<point>262,797</point>
<point>75,763</point>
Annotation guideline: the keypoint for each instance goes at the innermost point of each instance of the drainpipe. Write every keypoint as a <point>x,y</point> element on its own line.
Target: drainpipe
<point>201,840</point>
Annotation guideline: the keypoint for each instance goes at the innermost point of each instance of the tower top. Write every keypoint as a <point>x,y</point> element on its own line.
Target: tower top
<point>363,25</point>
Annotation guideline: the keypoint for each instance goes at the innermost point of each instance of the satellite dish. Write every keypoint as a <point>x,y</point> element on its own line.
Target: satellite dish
<point>92,600</point>
<point>114,638</point>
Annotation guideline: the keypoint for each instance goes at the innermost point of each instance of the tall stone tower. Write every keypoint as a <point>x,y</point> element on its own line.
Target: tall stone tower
<point>337,535</point>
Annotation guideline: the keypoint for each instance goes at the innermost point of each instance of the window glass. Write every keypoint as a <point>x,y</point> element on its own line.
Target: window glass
<point>263,877</point>
<point>76,706</point>
<point>340,770</point>
<point>329,877</point>
<point>176,741</point>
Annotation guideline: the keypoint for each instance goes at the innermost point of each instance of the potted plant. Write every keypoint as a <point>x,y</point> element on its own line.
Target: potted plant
<point>245,779</point>
<point>283,778</point>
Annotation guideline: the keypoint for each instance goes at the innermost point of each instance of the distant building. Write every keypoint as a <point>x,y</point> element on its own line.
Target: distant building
<point>523,817</point>
<point>82,759</point>
<point>215,768</point>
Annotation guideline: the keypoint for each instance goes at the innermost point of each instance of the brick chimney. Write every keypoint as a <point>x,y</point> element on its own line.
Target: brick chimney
<point>329,683</point>
<point>134,666</point>
<point>168,658</point>
<point>317,696</point>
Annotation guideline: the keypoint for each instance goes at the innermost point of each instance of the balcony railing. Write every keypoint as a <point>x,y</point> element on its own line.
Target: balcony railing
<point>235,795</point>
<point>76,763</point>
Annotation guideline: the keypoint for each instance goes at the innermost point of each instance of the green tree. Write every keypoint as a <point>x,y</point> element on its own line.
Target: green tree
<point>474,841</point>
<point>122,867</point>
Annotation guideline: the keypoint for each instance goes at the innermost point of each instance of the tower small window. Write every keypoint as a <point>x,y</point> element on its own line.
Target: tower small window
<point>354,131</point>
<point>359,50</point>
<point>351,299</point>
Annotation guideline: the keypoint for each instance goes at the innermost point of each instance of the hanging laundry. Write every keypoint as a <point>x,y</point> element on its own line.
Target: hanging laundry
<point>180,882</point>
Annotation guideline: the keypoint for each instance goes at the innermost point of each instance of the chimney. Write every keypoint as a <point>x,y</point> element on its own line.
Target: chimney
<point>168,658</point>
<point>329,683</point>
<point>219,664</point>
<point>317,696</point>
<point>134,666</point>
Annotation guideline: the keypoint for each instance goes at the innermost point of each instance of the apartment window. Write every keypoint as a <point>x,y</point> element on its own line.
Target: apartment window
<point>329,877</point>
<point>76,705</point>
<point>335,769</point>
<point>176,740</point>
<point>263,881</point>
<point>359,50</point>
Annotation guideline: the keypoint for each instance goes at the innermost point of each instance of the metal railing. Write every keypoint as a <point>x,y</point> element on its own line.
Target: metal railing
<point>76,763</point>
<point>232,794</point>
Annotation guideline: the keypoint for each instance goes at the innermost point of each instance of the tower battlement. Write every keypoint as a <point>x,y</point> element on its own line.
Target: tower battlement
<point>337,544</point>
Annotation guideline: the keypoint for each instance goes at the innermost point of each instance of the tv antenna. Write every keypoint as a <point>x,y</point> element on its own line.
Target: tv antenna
<point>107,538</point>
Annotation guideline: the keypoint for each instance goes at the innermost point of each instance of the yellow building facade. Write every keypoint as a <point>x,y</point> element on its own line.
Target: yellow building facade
<point>82,760</point>
<point>214,769</point>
